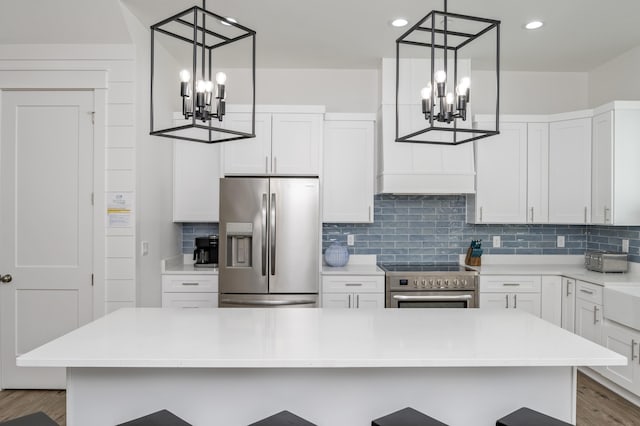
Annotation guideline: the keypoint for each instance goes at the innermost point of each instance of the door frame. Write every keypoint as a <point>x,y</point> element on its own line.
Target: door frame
<point>77,79</point>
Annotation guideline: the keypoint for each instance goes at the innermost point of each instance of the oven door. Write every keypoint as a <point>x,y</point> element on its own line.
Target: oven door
<point>431,299</point>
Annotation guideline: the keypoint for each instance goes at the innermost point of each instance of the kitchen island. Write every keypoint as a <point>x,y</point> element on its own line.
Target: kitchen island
<point>333,367</point>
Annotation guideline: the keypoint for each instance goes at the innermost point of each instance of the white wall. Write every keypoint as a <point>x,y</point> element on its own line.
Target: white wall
<point>616,79</point>
<point>154,179</point>
<point>530,92</point>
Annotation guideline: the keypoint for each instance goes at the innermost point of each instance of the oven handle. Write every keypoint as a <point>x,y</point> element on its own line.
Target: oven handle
<point>436,298</point>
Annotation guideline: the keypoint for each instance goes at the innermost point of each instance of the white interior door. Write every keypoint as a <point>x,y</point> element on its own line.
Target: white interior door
<point>46,162</point>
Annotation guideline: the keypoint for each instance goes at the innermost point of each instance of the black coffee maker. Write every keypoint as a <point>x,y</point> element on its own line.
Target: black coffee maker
<point>205,254</point>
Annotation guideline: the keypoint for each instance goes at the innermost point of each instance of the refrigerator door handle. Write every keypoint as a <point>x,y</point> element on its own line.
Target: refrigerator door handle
<point>258,302</point>
<point>264,234</point>
<point>272,237</point>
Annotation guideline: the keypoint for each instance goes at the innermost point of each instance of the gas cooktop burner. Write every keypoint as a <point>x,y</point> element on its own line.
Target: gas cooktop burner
<point>424,267</point>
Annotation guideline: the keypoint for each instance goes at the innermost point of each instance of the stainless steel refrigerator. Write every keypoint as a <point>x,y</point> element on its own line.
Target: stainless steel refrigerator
<point>269,242</point>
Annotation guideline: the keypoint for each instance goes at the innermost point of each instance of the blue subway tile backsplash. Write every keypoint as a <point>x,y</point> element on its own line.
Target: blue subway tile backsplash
<point>432,228</point>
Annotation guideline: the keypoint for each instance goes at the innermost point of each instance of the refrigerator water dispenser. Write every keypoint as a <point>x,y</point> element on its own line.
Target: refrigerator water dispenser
<point>240,241</point>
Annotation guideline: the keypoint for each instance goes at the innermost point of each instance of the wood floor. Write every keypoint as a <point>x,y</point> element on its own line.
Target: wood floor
<point>597,405</point>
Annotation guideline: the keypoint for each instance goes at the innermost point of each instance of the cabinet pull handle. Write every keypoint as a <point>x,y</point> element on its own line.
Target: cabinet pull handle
<point>586,291</point>
<point>349,301</point>
<point>190,284</point>
<point>275,165</point>
<point>353,284</point>
<point>606,210</point>
<point>357,301</point>
<point>511,284</point>
<point>370,218</point>
<point>515,301</point>
<point>266,164</point>
<point>585,214</point>
<point>480,213</point>
<point>568,284</point>
<point>531,214</point>
<point>633,349</point>
<point>506,298</point>
<point>595,314</point>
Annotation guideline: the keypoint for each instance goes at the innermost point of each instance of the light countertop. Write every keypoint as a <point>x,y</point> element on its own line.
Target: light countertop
<point>183,264</point>
<point>577,272</point>
<point>358,265</point>
<point>299,338</point>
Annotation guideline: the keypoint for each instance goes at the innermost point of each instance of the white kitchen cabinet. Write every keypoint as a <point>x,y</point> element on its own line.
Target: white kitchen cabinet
<point>501,180</point>
<point>347,176</point>
<point>551,299</point>
<point>190,290</point>
<point>353,291</point>
<point>285,144</point>
<point>624,341</point>
<point>615,172</point>
<point>196,181</point>
<point>570,171</point>
<point>569,304</point>
<point>417,168</point>
<point>589,311</point>
<point>537,173</point>
<point>511,292</point>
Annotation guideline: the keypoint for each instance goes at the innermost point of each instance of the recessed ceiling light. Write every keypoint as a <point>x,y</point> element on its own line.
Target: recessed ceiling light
<point>400,22</point>
<point>228,20</point>
<point>534,25</point>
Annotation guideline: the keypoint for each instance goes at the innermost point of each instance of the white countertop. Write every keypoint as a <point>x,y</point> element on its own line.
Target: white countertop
<point>297,338</point>
<point>577,272</point>
<point>183,264</point>
<point>359,264</point>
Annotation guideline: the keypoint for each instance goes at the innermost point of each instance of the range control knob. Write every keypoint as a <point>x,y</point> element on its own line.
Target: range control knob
<point>455,283</point>
<point>415,283</point>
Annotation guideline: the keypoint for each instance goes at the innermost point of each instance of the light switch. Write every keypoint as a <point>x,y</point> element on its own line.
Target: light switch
<point>560,241</point>
<point>496,241</point>
<point>144,248</point>
<point>625,246</point>
<point>351,239</point>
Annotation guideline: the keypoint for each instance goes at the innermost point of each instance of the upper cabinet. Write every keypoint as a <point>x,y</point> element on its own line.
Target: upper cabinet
<point>615,171</point>
<point>570,171</point>
<point>415,168</point>
<point>287,142</point>
<point>347,173</point>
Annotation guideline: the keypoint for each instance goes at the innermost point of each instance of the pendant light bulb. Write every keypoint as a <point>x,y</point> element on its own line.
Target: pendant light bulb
<point>426,92</point>
<point>465,82</point>
<point>221,78</point>
<point>208,86</point>
<point>200,86</point>
<point>185,76</point>
<point>449,98</point>
<point>441,76</point>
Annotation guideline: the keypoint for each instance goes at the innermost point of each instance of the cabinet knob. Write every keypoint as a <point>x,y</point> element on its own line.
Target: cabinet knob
<point>5,279</point>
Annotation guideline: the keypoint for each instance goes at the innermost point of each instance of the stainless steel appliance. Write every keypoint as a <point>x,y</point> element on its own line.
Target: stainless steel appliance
<point>430,286</point>
<point>606,261</point>
<point>269,242</point>
<point>205,254</point>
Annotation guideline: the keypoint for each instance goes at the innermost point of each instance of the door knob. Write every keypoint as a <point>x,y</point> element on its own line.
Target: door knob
<point>6,278</point>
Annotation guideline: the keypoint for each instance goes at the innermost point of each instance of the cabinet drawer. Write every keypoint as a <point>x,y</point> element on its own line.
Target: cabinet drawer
<point>353,284</point>
<point>190,283</point>
<point>510,284</point>
<point>589,292</point>
<point>190,300</point>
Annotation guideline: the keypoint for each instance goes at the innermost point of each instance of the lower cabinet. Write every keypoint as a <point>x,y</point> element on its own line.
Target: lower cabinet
<point>589,311</point>
<point>353,291</point>
<point>189,291</point>
<point>569,304</point>
<point>511,292</point>
<point>626,342</point>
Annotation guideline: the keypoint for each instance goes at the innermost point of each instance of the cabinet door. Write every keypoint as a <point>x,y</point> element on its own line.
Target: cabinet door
<point>589,320</point>
<point>570,171</point>
<point>369,301</point>
<point>248,156</point>
<point>551,300</point>
<point>602,170</point>
<point>538,173</point>
<point>336,300</point>
<point>189,300</point>
<point>196,181</point>
<point>347,176</point>
<point>625,342</point>
<point>495,301</point>
<point>568,304</point>
<point>501,180</point>
<point>528,302</point>
<point>295,144</point>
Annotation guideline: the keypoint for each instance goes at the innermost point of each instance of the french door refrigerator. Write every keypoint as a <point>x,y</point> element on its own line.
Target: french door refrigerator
<point>269,242</point>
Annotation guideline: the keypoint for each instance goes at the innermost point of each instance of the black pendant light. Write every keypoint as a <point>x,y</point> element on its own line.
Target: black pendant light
<point>203,43</point>
<point>445,40</point>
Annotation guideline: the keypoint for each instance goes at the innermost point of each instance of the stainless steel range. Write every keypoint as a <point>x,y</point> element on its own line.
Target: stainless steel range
<point>430,286</point>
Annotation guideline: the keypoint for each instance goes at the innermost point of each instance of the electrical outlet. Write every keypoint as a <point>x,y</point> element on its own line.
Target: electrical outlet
<point>625,246</point>
<point>351,240</point>
<point>144,248</point>
<point>496,241</point>
<point>560,241</point>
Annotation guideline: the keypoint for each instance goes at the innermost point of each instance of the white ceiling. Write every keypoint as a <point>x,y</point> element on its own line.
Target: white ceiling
<point>578,35</point>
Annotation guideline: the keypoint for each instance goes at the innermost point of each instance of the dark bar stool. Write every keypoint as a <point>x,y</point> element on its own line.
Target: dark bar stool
<point>283,418</point>
<point>159,418</point>
<point>407,417</point>
<point>35,419</point>
<point>528,417</point>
